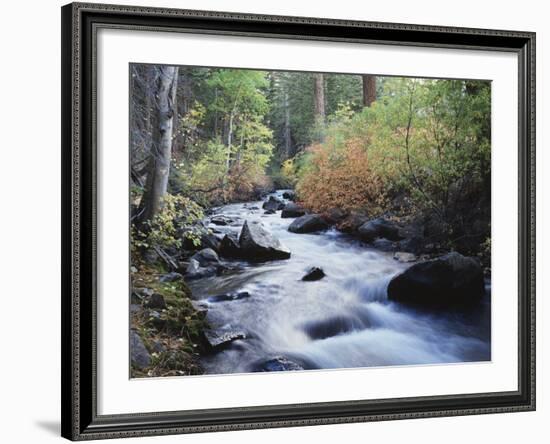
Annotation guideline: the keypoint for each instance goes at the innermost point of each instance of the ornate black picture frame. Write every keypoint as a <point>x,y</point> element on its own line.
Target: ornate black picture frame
<point>80,22</point>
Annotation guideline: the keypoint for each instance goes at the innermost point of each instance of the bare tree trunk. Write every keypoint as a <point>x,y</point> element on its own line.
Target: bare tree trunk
<point>369,90</point>
<point>157,178</point>
<point>286,131</point>
<point>319,97</point>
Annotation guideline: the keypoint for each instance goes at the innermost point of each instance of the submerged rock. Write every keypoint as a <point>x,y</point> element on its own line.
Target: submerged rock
<point>138,353</point>
<point>278,364</point>
<point>256,243</point>
<point>451,280</point>
<point>229,296</point>
<point>333,326</point>
<point>292,210</point>
<point>314,274</point>
<point>273,204</point>
<point>380,227</point>
<point>309,223</point>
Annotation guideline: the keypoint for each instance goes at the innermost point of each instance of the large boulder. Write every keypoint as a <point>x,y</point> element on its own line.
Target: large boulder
<point>292,209</point>
<point>229,247</point>
<point>450,280</point>
<point>206,257</point>
<point>138,353</point>
<point>308,224</point>
<point>380,227</point>
<point>273,204</point>
<point>256,243</point>
<point>350,223</point>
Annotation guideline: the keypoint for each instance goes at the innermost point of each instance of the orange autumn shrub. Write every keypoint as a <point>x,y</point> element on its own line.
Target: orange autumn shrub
<point>341,178</point>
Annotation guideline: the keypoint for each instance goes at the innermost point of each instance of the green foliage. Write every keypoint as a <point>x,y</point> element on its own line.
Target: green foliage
<point>177,220</point>
<point>424,138</point>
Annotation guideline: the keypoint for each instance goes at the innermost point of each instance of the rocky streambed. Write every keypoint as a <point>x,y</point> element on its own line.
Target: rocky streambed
<point>290,292</point>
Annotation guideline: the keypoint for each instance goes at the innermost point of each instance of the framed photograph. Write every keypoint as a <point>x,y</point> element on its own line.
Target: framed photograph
<point>281,221</point>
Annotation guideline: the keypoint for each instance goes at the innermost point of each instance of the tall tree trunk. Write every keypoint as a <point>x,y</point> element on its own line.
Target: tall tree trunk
<point>286,131</point>
<point>157,178</point>
<point>369,90</point>
<point>319,97</point>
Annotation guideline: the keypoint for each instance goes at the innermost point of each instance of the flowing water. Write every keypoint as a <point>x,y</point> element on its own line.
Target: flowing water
<point>341,321</point>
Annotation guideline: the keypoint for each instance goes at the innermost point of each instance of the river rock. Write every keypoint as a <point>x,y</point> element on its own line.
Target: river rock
<point>333,326</point>
<point>220,339</point>
<point>451,280</point>
<point>195,271</point>
<point>171,277</point>
<point>402,256</point>
<point>384,244</point>
<point>289,195</point>
<point>256,243</point>
<point>292,209</point>
<point>308,224</point>
<point>314,274</point>
<point>221,220</point>
<point>351,223</point>
<point>273,204</point>
<point>229,247</point>
<point>233,296</point>
<point>138,353</point>
<point>269,212</point>
<point>278,364</point>
<point>205,257</point>
<point>155,301</point>
<point>380,227</point>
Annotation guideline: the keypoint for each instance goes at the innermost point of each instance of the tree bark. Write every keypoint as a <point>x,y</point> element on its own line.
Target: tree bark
<point>161,150</point>
<point>286,130</point>
<point>369,90</point>
<point>319,97</point>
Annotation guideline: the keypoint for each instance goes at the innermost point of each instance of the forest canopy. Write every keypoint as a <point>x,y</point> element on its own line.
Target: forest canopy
<point>418,148</point>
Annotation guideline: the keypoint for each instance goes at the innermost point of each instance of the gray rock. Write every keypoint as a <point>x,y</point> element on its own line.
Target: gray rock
<point>309,223</point>
<point>450,280</point>
<point>155,301</point>
<point>273,204</point>
<point>206,257</point>
<point>171,277</point>
<point>289,195</point>
<point>278,364</point>
<point>234,296</point>
<point>380,227</point>
<point>220,339</point>
<point>314,274</point>
<point>292,209</point>
<point>195,271</point>
<point>229,248</point>
<point>256,243</point>
<point>383,244</point>
<point>139,355</point>
<point>404,257</point>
